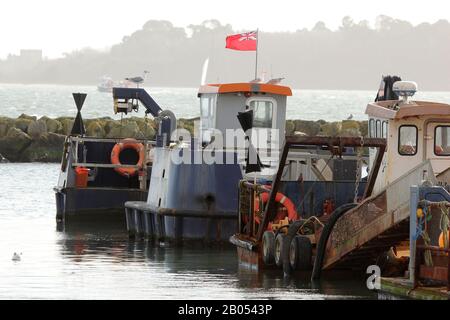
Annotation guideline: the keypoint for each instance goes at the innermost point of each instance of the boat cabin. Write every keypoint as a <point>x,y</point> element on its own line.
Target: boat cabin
<point>220,104</point>
<point>415,131</point>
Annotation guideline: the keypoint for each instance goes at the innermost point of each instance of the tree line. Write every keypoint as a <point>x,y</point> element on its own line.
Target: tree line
<point>354,56</point>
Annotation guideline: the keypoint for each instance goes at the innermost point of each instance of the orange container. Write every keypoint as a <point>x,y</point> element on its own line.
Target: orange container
<point>81,177</point>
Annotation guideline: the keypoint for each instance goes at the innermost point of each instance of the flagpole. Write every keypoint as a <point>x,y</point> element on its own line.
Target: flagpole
<point>256,76</point>
<point>256,60</point>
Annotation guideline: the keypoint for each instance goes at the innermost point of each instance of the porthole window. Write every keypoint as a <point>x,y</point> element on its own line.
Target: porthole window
<point>407,140</point>
<point>442,141</point>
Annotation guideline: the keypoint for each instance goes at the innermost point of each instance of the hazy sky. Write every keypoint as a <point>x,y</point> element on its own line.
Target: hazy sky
<point>58,26</point>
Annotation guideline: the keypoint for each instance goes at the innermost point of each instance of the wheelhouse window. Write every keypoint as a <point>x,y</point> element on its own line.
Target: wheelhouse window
<point>442,141</point>
<point>262,113</point>
<point>206,106</point>
<point>378,129</point>
<point>372,128</point>
<point>207,110</point>
<point>407,140</point>
<point>384,129</point>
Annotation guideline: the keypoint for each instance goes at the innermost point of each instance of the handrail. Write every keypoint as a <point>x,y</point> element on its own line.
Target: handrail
<point>104,165</point>
<point>105,140</point>
<point>434,204</point>
<point>88,139</point>
<point>255,187</point>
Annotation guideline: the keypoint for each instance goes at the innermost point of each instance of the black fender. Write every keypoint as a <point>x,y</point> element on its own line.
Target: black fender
<point>322,243</point>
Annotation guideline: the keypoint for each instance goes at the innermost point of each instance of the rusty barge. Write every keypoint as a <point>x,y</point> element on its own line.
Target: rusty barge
<point>349,224</point>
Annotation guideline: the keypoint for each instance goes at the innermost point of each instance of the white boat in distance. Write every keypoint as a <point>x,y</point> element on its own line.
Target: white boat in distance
<point>107,83</point>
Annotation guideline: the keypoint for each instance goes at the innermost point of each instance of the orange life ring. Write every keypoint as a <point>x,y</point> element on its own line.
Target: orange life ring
<point>127,144</point>
<point>281,199</point>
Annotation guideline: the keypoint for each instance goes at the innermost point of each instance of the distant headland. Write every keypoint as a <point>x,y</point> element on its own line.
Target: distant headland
<point>354,56</point>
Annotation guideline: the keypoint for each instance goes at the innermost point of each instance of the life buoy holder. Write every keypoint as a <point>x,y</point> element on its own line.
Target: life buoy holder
<point>281,199</point>
<point>128,143</point>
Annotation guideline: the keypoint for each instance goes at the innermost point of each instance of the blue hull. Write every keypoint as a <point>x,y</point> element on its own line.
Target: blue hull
<point>75,204</point>
<point>169,225</point>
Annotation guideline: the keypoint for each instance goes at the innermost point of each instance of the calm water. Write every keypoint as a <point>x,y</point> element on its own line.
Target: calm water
<point>56,100</point>
<point>91,264</point>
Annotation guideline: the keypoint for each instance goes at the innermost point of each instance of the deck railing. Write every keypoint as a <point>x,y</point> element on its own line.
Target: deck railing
<point>248,226</point>
<point>74,143</point>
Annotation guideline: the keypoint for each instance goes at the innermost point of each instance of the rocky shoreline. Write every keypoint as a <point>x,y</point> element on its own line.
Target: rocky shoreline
<point>31,139</point>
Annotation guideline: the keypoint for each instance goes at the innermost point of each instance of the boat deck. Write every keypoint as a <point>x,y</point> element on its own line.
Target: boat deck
<point>403,288</point>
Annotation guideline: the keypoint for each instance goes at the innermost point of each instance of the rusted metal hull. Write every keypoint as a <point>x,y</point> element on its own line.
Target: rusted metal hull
<point>249,255</point>
<point>378,223</point>
<point>249,259</point>
<point>357,236</point>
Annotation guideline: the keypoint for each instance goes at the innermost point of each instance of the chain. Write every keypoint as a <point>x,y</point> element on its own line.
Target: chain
<point>358,169</point>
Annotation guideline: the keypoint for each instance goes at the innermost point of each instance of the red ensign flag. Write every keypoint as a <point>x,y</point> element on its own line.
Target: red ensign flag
<point>243,41</point>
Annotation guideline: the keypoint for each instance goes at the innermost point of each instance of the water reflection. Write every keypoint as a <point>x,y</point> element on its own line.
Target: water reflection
<point>214,271</point>
<point>98,261</point>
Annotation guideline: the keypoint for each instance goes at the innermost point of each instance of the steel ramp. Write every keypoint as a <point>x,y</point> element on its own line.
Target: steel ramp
<point>361,234</point>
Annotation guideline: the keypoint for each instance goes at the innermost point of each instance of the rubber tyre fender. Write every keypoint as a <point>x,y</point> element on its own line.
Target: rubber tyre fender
<point>322,243</point>
<point>280,244</point>
<point>291,233</point>
<point>268,248</point>
<point>300,253</point>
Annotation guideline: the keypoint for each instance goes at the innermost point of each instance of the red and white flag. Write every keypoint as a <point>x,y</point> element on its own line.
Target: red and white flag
<point>243,41</point>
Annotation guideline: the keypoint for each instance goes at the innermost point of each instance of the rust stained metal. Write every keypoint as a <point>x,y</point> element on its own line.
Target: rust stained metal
<point>378,221</point>
<point>440,271</point>
<point>356,228</point>
<point>331,143</point>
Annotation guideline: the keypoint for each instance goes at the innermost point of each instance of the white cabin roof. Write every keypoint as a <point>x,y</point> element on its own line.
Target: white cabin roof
<point>394,109</point>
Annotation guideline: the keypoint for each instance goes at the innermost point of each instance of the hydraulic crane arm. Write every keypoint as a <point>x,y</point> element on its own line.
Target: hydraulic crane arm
<point>123,95</point>
<point>124,102</point>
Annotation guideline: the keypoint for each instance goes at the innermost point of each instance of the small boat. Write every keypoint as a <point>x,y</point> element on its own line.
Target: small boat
<point>197,199</point>
<point>106,84</point>
<point>98,175</point>
<point>328,223</point>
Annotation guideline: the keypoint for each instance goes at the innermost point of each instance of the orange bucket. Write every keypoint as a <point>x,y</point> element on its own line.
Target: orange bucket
<point>81,177</point>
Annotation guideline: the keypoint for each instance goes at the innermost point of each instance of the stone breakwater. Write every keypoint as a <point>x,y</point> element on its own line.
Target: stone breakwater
<point>31,139</point>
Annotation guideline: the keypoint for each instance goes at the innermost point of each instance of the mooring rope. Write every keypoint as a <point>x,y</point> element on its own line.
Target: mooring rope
<point>444,222</point>
<point>421,231</point>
